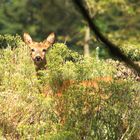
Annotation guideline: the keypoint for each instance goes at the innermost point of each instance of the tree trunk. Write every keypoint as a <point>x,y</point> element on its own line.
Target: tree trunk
<point>86,42</point>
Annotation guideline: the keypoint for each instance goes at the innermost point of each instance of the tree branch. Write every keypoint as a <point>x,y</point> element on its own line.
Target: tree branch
<point>112,47</point>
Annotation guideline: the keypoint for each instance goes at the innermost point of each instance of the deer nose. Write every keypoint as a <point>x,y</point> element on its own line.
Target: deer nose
<point>37,58</point>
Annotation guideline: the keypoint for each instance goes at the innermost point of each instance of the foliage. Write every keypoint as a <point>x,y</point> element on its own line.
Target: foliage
<point>115,18</point>
<point>132,51</point>
<point>130,47</point>
<point>8,40</point>
<point>37,17</point>
<point>31,109</point>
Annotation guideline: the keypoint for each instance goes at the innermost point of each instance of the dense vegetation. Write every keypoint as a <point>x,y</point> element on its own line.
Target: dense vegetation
<point>31,109</point>
<point>96,97</point>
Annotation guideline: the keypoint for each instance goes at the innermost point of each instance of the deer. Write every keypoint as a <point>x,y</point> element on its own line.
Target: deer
<point>39,50</point>
<point>38,55</point>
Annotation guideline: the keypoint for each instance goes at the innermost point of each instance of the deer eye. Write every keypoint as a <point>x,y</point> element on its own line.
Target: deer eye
<point>44,50</point>
<point>32,50</point>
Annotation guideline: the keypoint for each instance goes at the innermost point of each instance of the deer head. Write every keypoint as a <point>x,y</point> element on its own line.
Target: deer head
<point>39,49</point>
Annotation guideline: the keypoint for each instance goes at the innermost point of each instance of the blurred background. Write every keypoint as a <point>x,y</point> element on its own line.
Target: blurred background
<point>117,19</point>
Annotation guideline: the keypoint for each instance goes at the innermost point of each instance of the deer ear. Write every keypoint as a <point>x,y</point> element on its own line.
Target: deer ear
<point>51,38</point>
<point>27,38</point>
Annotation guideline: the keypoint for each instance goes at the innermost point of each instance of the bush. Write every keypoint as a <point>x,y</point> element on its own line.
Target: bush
<point>64,64</point>
<point>31,109</point>
<point>131,50</point>
<point>9,40</point>
<point>129,46</point>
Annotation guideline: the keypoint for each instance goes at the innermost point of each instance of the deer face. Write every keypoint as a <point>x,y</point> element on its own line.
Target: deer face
<point>39,49</point>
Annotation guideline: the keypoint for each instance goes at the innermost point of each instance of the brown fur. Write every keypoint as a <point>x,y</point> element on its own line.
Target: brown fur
<point>39,49</point>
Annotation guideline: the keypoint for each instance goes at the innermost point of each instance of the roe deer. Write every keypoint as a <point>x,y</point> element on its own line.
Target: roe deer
<point>38,55</point>
<point>39,50</point>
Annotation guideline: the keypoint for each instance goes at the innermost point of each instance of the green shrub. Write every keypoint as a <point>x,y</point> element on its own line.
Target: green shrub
<point>129,46</point>
<point>131,50</point>
<point>24,112</point>
<point>9,40</point>
<point>28,111</point>
<point>64,64</point>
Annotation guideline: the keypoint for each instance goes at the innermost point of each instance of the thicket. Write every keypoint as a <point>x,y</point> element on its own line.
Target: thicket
<point>31,109</point>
